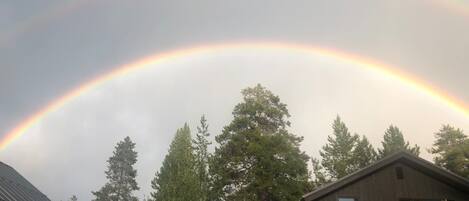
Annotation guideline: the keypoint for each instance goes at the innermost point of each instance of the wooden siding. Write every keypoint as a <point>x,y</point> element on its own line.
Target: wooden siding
<point>383,185</point>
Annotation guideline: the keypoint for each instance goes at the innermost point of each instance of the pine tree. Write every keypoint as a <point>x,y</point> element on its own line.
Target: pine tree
<point>451,148</point>
<point>200,145</point>
<point>120,174</point>
<point>363,154</point>
<point>177,179</point>
<point>337,155</point>
<point>257,157</point>
<point>393,141</point>
<point>319,175</point>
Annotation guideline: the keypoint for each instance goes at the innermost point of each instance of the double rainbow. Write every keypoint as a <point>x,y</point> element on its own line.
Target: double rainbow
<point>155,60</point>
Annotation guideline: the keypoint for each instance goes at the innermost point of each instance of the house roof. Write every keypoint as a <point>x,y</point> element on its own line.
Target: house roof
<point>411,160</point>
<point>15,187</point>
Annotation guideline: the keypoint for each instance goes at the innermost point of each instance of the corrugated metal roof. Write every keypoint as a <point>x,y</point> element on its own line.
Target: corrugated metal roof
<point>14,187</point>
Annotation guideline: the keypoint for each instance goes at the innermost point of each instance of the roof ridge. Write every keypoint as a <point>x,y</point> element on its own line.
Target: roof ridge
<point>384,162</point>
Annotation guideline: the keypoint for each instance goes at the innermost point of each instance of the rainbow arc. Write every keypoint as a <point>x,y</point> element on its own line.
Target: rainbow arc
<point>160,58</point>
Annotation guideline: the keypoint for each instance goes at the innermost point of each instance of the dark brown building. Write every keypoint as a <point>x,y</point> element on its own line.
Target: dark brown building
<point>399,177</point>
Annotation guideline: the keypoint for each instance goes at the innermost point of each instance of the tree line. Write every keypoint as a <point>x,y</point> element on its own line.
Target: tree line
<point>257,157</point>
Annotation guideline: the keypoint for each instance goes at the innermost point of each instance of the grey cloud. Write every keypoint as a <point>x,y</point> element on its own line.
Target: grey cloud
<point>68,149</point>
<point>50,59</point>
<point>39,65</point>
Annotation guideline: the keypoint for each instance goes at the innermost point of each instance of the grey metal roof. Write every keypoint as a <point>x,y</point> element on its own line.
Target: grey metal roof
<point>14,187</point>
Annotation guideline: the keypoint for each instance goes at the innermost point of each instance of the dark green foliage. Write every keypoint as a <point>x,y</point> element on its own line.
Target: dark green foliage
<point>120,173</point>
<point>177,179</point>
<point>363,154</point>
<point>338,154</point>
<point>319,175</point>
<point>343,154</point>
<point>105,193</point>
<point>257,157</point>
<point>451,148</point>
<point>393,141</point>
<point>200,144</point>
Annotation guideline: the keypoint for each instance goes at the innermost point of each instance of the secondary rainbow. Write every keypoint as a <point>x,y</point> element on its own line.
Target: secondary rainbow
<point>43,18</point>
<point>59,10</point>
<point>159,58</point>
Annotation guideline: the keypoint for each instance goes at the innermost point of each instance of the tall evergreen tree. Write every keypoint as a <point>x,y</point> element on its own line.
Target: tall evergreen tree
<point>120,174</point>
<point>257,157</point>
<point>200,144</point>
<point>343,154</point>
<point>363,154</point>
<point>319,175</point>
<point>177,179</point>
<point>393,141</point>
<point>337,155</point>
<point>451,149</point>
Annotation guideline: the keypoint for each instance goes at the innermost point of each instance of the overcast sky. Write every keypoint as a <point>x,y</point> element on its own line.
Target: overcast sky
<point>48,47</point>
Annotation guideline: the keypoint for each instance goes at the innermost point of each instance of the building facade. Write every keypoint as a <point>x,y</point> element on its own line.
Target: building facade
<point>400,177</point>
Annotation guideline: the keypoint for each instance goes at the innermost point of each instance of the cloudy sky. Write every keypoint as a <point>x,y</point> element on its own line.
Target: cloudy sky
<point>48,47</point>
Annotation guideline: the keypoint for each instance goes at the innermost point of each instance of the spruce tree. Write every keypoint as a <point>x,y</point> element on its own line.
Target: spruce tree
<point>319,175</point>
<point>393,141</point>
<point>177,179</point>
<point>343,154</point>
<point>200,145</point>
<point>120,174</point>
<point>337,155</point>
<point>451,149</point>
<point>257,157</point>
<point>363,154</point>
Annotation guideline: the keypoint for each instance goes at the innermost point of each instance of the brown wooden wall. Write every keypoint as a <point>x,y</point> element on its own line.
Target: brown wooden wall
<point>383,185</point>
